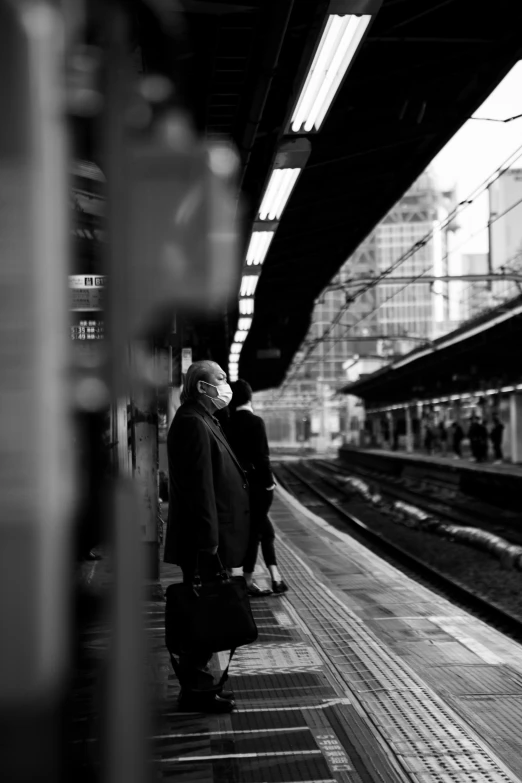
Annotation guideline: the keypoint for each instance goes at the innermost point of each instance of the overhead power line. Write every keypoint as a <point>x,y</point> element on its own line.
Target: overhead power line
<point>494,119</point>
<point>412,281</point>
<point>459,208</point>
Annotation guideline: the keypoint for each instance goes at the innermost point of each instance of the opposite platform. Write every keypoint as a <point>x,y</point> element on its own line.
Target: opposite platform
<point>449,461</point>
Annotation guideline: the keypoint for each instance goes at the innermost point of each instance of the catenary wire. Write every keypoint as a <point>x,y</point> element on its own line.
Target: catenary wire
<point>458,209</point>
<point>317,341</point>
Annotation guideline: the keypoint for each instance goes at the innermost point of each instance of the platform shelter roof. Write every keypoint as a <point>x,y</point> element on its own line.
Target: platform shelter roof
<point>420,73</point>
<point>479,358</point>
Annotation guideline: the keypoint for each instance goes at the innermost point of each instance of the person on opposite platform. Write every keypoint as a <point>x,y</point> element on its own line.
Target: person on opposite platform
<point>496,435</point>
<point>247,435</point>
<point>457,438</point>
<point>209,512</point>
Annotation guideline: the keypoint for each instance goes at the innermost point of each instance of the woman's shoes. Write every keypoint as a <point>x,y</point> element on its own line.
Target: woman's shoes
<point>254,591</point>
<point>278,588</point>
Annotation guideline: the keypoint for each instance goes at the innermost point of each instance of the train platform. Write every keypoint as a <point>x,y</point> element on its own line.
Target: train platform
<point>447,461</point>
<point>359,675</point>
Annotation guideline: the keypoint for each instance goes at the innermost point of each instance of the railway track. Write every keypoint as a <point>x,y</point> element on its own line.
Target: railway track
<point>458,512</point>
<point>328,500</point>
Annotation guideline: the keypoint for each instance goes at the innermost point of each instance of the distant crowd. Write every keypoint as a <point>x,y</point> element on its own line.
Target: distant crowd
<point>448,438</point>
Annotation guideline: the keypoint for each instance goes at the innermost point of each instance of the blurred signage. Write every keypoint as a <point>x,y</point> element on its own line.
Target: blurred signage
<point>186,359</point>
<point>87,292</point>
<point>87,281</point>
<point>88,329</point>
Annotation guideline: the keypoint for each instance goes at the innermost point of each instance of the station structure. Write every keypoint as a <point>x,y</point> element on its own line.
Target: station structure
<point>181,180</point>
<point>472,371</point>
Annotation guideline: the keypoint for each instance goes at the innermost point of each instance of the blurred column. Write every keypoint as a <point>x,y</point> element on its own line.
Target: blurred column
<point>126,709</point>
<point>145,425</point>
<point>37,479</point>
<point>409,430</point>
<point>516,427</point>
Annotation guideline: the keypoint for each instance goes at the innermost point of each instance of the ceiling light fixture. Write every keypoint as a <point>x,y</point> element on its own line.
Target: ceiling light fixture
<point>258,247</point>
<point>292,157</point>
<point>244,324</point>
<point>277,193</point>
<point>240,337</point>
<point>248,285</point>
<point>246,306</point>
<point>346,25</point>
<point>235,348</point>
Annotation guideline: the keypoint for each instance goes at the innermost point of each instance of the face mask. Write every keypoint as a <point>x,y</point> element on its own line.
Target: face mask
<point>224,395</point>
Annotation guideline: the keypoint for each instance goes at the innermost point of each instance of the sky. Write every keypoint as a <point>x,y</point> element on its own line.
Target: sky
<point>476,150</point>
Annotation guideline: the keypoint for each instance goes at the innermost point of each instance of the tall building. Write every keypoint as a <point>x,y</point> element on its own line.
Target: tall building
<point>386,320</point>
<point>475,297</point>
<point>505,233</point>
<point>307,410</point>
<point>414,310</point>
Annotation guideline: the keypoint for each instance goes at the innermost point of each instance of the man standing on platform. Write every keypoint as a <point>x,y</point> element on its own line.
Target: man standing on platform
<point>208,512</point>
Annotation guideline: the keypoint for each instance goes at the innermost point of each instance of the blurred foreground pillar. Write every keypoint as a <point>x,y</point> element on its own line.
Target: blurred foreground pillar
<point>145,425</point>
<point>36,481</point>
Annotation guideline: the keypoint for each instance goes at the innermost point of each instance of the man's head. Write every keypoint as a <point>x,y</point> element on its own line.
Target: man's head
<point>201,381</point>
<point>242,393</point>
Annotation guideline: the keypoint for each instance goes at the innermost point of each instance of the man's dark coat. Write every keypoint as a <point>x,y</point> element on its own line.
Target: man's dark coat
<point>208,491</point>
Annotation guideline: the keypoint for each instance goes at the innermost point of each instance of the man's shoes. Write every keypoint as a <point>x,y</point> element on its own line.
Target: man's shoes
<point>279,588</point>
<point>210,703</point>
<point>254,591</point>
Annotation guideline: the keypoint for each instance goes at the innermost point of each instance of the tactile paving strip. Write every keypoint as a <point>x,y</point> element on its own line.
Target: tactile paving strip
<point>396,700</point>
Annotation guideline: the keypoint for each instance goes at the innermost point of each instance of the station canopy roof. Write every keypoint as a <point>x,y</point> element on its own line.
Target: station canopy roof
<point>481,356</point>
<point>421,72</point>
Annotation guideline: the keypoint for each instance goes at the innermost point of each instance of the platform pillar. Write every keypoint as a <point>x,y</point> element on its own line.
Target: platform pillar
<point>374,429</point>
<point>38,477</point>
<point>515,410</point>
<point>293,429</point>
<point>409,430</point>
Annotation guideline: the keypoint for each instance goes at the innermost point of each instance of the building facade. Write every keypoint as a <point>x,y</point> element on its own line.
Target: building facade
<point>505,232</point>
<point>382,321</point>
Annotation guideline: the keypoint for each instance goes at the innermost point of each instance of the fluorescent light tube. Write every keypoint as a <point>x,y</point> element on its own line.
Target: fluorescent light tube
<point>240,337</point>
<point>336,50</point>
<point>244,324</point>
<point>233,358</point>
<point>246,306</point>
<point>258,247</point>
<point>248,285</point>
<point>277,193</point>
<point>235,348</point>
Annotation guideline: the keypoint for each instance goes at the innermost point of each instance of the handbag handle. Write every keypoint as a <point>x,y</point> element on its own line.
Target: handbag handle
<point>222,573</point>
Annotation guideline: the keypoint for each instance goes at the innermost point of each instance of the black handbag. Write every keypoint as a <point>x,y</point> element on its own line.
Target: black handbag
<point>210,616</point>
